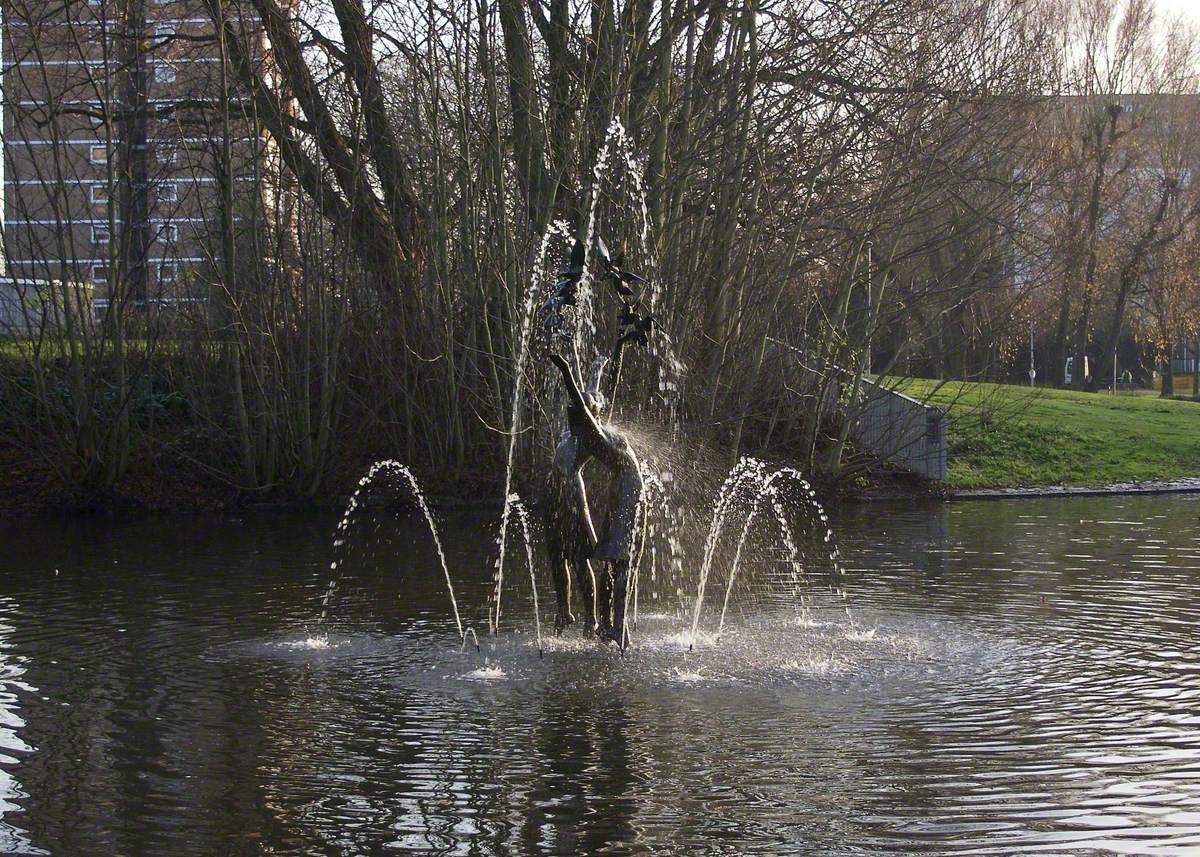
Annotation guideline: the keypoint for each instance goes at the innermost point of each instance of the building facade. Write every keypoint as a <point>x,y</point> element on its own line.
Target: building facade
<point>122,138</point>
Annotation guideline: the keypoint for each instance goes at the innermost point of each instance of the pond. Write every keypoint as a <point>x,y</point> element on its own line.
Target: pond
<point>999,678</point>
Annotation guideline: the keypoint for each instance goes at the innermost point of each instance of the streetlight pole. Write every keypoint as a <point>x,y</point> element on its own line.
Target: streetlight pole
<point>1032,368</point>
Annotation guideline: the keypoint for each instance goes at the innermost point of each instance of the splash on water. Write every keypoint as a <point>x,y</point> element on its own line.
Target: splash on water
<point>861,635</point>
<point>312,643</point>
<point>682,641</point>
<point>808,622</point>
<point>816,666</point>
<point>488,672</point>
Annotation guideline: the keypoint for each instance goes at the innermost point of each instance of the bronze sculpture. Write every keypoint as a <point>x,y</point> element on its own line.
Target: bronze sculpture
<point>576,550</point>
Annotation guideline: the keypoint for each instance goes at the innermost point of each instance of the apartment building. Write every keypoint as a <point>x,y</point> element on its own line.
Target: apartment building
<point>120,134</point>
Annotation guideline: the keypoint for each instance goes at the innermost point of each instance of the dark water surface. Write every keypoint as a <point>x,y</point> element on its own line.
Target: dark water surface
<point>1010,677</point>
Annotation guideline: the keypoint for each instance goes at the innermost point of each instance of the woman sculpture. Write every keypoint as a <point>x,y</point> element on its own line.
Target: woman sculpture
<point>576,551</point>
<point>618,548</point>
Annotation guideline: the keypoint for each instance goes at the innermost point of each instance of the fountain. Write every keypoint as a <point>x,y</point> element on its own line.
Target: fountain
<point>523,517</point>
<point>391,468</point>
<point>752,488</point>
<point>539,270</point>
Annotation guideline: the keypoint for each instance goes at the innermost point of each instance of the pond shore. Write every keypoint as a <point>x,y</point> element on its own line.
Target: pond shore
<point>28,488</point>
<point>1171,486</point>
<point>1006,442</point>
<point>23,497</point>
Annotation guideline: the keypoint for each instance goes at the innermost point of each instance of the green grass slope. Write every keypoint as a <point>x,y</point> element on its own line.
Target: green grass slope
<point>1009,436</point>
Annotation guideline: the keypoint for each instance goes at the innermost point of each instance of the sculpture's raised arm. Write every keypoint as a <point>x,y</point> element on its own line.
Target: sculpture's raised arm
<point>583,421</point>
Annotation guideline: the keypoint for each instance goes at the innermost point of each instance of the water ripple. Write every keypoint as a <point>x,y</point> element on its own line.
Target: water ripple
<point>1013,677</point>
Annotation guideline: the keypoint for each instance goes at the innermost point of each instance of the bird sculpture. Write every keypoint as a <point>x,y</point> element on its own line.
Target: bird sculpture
<point>635,327</point>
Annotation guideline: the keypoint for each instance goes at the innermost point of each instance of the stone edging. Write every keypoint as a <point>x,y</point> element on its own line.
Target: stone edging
<point>1174,486</point>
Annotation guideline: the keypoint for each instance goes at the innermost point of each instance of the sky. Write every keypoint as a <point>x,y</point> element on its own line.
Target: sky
<point>1189,8</point>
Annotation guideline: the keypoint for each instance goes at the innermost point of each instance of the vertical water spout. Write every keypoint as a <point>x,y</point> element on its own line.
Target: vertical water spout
<point>558,227</point>
<point>747,470</point>
<point>523,517</point>
<point>395,468</point>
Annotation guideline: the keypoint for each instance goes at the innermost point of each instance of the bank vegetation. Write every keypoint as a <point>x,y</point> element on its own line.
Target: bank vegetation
<point>815,190</point>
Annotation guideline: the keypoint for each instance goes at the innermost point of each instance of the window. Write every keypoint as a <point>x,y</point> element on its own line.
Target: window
<point>98,154</point>
<point>163,73</point>
<point>166,272</point>
<point>100,234</point>
<point>98,194</point>
<point>168,192</point>
<point>166,153</point>
<point>99,274</point>
<point>163,33</point>
<point>169,233</point>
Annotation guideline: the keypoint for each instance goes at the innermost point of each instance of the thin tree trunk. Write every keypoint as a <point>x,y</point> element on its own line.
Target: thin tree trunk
<point>1104,146</point>
<point>1168,376</point>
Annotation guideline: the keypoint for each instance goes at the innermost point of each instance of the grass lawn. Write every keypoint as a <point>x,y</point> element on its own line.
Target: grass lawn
<point>1010,436</point>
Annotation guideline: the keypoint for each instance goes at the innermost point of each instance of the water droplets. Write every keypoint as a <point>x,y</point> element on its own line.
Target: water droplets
<point>395,470</point>
<point>751,483</point>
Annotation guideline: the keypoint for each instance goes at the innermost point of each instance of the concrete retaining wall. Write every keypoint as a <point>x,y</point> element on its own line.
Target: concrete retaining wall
<point>899,429</point>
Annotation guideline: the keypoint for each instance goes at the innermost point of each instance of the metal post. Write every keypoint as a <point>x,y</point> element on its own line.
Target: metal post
<point>1032,368</point>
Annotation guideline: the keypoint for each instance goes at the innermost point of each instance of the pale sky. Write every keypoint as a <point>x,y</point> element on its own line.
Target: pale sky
<point>1190,8</point>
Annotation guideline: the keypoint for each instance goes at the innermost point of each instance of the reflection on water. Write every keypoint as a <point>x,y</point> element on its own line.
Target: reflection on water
<point>1001,678</point>
<point>12,747</point>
